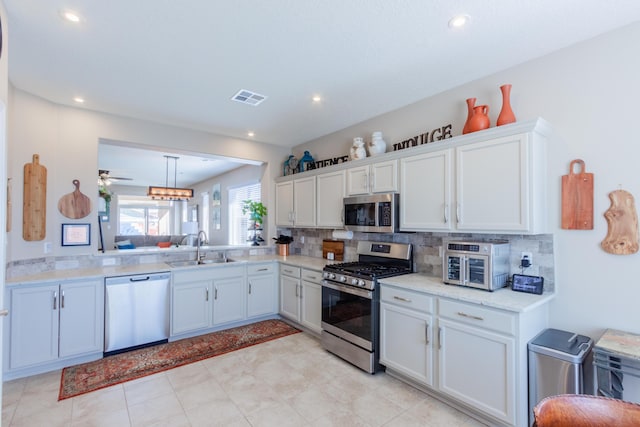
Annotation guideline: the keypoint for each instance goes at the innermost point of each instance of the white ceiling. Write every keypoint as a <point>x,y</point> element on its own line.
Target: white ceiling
<point>181,62</point>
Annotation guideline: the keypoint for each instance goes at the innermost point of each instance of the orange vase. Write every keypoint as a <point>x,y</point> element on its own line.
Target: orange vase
<point>471,102</point>
<point>480,118</point>
<point>506,114</point>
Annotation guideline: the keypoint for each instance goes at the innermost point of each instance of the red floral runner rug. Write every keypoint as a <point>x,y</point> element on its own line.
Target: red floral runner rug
<point>134,364</point>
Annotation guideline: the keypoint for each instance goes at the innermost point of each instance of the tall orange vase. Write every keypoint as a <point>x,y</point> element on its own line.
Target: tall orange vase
<point>506,114</point>
<point>471,102</point>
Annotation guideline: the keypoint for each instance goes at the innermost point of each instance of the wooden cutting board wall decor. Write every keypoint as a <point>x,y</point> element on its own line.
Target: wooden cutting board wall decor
<point>334,246</point>
<point>622,237</point>
<point>75,205</point>
<point>577,198</point>
<point>34,204</point>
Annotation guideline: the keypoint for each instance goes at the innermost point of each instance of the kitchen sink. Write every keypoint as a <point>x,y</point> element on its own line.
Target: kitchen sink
<point>203,262</point>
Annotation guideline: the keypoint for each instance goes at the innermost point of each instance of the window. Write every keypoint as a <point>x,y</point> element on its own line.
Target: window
<point>143,216</point>
<point>239,225</point>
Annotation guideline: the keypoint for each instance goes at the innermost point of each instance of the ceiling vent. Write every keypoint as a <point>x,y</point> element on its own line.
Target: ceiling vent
<point>248,97</point>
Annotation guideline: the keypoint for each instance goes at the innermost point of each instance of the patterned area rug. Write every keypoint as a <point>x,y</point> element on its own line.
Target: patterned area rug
<point>134,364</point>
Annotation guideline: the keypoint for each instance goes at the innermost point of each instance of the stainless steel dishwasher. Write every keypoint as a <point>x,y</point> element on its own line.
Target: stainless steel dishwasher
<point>136,311</point>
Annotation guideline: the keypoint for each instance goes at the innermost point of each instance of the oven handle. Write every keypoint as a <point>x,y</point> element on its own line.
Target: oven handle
<point>347,289</point>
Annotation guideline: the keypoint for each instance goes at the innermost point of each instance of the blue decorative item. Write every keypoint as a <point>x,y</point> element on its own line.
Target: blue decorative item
<point>307,162</point>
<point>290,165</point>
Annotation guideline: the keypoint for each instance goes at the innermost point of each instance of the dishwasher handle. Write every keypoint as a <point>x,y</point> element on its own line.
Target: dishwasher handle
<point>139,279</point>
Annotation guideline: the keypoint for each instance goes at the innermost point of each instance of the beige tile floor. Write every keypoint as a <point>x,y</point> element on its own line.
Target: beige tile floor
<point>286,382</point>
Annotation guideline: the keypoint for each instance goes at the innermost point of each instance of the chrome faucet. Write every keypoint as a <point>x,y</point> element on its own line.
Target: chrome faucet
<point>198,243</point>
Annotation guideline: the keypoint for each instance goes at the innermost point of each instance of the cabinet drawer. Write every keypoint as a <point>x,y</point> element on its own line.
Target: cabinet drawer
<point>312,276</point>
<point>261,268</point>
<point>289,270</point>
<point>407,298</point>
<point>479,316</point>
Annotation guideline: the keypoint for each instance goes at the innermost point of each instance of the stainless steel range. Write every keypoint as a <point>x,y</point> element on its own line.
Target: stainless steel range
<point>351,301</point>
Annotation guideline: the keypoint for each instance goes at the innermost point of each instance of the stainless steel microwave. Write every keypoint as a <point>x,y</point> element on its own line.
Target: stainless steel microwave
<point>375,213</point>
<point>481,265</point>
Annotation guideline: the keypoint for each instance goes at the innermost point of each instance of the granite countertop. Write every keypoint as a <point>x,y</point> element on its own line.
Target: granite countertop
<point>504,298</point>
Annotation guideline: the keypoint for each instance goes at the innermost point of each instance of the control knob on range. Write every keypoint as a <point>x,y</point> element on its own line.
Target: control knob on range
<point>343,279</point>
<point>361,283</point>
<point>354,281</point>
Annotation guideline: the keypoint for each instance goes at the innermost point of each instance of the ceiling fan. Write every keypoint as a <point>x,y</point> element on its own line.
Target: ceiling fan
<point>105,179</point>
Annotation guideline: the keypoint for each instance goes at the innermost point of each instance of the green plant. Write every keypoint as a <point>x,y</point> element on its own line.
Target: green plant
<point>104,193</point>
<point>256,210</point>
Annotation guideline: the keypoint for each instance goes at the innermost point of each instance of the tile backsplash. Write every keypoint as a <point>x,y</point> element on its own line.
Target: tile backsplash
<point>427,248</point>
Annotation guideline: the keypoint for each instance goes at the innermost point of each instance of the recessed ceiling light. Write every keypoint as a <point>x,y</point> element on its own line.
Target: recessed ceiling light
<point>316,98</point>
<point>78,99</point>
<point>70,15</point>
<point>458,21</point>
<point>250,133</point>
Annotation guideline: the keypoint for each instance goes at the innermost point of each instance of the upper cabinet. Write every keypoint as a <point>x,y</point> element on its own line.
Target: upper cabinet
<point>380,177</point>
<point>296,203</point>
<point>495,185</point>
<point>330,189</point>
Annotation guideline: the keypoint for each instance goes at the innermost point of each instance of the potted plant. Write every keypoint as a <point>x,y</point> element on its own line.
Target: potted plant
<point>256,211</point>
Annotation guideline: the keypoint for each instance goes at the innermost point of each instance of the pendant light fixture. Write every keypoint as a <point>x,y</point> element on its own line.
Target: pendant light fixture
<point>170,193</point>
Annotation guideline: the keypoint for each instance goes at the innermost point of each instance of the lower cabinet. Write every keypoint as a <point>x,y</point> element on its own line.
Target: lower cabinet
<point>406,334</point>
<point>51,322</point>
<point>301,296</point>
<point>208,298</point>
<point>475,356</point>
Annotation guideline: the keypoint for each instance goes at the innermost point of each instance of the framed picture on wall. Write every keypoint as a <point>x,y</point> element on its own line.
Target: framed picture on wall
<point>76,234</point>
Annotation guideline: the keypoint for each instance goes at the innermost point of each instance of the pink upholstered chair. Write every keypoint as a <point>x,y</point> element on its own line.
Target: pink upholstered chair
<point>576,410</point>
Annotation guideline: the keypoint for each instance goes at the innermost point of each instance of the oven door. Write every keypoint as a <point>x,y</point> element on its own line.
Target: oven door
<point>359,214</point>
<point>454,269</point>
<point>477,272</point>
<point>349,313</point>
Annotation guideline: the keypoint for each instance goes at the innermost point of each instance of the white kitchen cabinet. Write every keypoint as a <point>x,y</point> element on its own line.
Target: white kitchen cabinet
<point>477,367</point>
<point>380,177</point>
<point>191,306</point>
<point>51,321</point>
<point>290,292</point>
<point>406,333</point>
<point>426,191</point>
<point>301,296</point>
<point>229,300</point>
<point>330,189</point>
<point>496,186</point>
<point>262,289</point>
<point>296,203</point>
<point>311,300</point>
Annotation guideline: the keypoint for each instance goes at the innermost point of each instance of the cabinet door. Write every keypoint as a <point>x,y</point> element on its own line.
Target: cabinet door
<point>262,292</point>
<point>34,325</point>
<point>492,185</point>
<point>406,342</point>
<point>304,202</point>
<point>330,195</point>
<point>425,192</point>
<point>384,177</point>
<point>229,298</point>
<point>290,297</point>
<point>358,180</point>
<point>284,203</point>
<point>483,377</point>
<point>191,306</point>
<point>311,314</point>
<point>81,318</point>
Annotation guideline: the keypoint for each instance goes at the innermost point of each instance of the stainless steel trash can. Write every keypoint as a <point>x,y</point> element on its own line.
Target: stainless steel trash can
<point>556,365</point>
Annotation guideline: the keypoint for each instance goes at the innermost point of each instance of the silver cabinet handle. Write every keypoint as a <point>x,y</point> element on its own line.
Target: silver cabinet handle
<point>469,316</point>
<point>458,215</point>
<point>206,294</point>
<point>401,299</point>
<point>55,300</point>
<point>426,334</point>
<point>62,299</point>
<point>4,312</point>
<point>249,288</point>
<point>365,177</point>
<point>300,291</point>
<point>263,269</point>
<point>439,337</point>
<point>446,213</point>
<point>297,294</point>
<point>371,181</point>
<point>312,277</point>
<point>215,293</point>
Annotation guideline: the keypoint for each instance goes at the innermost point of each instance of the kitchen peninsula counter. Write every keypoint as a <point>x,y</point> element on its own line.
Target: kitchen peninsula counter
<point>504,299</point>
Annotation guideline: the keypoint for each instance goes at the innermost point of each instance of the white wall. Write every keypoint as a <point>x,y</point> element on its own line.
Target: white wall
<point>589,93</point>
<point>67,141</point>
